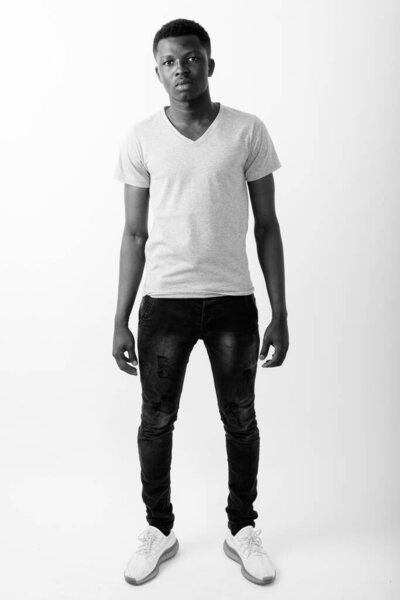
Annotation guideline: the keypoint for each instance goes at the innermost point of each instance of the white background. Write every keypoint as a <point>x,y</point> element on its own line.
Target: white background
<point>324,77</point>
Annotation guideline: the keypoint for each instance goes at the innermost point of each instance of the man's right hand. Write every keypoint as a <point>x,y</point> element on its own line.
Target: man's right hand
<point>124,342</point>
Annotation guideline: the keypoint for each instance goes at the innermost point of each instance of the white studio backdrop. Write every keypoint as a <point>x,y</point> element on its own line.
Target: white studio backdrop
<point>324,77</point>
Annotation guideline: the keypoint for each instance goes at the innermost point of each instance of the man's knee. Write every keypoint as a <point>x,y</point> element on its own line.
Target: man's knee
<point>155,422</point>
<point>239,421</point>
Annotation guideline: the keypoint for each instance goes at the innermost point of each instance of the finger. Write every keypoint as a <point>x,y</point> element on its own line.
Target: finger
<point>123,364</point>
<point>132,356</point>
<point>276,360</point>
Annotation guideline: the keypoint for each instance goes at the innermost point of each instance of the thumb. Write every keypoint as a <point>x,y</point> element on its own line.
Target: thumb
<point>264,350</point>
<point>132,356</point>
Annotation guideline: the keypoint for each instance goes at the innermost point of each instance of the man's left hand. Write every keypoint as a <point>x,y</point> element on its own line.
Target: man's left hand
<point>276,335</point>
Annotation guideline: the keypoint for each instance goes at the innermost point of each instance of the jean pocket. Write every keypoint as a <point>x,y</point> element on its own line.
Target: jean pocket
<point>253,303</point>
<point>146,307</point>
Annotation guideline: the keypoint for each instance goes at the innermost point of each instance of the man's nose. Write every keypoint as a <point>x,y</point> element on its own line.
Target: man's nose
<point>181,67</point>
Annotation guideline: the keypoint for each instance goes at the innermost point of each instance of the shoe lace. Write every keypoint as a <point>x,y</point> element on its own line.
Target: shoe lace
<point>148,545</point>
<point>250,543</point>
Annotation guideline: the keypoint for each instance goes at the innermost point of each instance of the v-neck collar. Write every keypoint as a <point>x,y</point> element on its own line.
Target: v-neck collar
<point>203,137</point>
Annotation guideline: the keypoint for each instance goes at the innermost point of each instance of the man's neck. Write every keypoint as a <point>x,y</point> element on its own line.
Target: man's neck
<point>199,110</point>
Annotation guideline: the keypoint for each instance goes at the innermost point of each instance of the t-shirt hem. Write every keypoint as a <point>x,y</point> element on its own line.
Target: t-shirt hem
<point>196,295</point>
<point>263,173</point>
<point>130,182</point>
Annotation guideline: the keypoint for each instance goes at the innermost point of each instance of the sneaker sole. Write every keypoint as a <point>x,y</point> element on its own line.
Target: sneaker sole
<point>168,553</point>
<point>231,553</point>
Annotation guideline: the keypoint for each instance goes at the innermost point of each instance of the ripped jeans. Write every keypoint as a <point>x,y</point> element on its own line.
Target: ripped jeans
<point>168,328</point>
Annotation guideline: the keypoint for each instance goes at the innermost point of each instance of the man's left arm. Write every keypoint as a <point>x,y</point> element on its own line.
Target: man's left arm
<point>270,255</point>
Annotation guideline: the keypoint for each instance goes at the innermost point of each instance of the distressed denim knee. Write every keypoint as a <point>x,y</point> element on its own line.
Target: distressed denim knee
<point>240,423</point>
<point>156,423</point>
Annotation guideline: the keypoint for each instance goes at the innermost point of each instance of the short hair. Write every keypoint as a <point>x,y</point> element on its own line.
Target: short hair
<point>182,27</point>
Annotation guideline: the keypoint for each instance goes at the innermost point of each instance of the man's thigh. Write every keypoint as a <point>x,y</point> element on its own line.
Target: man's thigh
<point>231,332</point>
<point>166,336</point>
<point>232,341</point>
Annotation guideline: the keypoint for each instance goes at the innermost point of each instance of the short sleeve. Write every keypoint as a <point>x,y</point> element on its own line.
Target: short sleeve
<point>262,159</point>
<point>130,167</point>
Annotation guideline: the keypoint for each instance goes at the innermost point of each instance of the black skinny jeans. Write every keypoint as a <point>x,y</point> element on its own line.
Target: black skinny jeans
<point>168,328</point>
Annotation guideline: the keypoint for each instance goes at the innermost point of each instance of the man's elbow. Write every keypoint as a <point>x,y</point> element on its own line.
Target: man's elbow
<point>263,229</point>
<point>138,237</point>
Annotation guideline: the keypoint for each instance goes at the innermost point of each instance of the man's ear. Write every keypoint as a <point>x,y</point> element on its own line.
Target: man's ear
<point>211,66</point>
<point>158,75</point>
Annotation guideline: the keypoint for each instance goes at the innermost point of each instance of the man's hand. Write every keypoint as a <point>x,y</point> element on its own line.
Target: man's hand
<point>124,342</point>
<point>277,335</point>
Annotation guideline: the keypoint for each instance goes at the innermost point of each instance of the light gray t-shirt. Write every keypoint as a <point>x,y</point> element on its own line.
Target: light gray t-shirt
<point>199,198</point>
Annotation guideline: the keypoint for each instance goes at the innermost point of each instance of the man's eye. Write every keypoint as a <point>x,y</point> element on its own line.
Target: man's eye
<point>170,61</point>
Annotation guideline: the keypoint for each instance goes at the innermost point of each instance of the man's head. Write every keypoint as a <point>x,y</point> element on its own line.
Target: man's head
<point>182,49</point>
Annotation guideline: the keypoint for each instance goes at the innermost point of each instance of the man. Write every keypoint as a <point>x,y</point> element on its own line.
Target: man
<point>192,161</point>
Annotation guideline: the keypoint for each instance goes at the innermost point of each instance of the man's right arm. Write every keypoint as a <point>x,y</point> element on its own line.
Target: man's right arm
<point>131,267</point>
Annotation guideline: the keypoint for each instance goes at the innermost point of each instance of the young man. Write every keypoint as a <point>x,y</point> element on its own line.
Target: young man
<point>192,161</point>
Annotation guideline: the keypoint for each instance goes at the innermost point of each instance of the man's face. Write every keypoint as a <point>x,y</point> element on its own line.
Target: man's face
<point>183,58</point>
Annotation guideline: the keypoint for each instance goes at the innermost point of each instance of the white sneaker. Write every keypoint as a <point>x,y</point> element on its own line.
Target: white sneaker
<point>246,548</point>
<point>154,549</point>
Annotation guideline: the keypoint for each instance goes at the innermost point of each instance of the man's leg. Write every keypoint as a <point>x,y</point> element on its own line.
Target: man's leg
<point>166,338</point>
<point>232,340</point>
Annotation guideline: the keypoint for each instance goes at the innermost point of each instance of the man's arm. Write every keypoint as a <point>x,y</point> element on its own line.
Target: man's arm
<point>270,254</point>
<point>131,267</point>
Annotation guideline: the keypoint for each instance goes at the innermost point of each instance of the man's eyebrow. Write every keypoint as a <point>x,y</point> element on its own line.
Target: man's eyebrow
<point>188,52</point>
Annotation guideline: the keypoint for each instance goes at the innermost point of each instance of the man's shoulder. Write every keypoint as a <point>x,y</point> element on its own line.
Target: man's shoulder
<point>241,115</point>
<point>244,121</point>
<point>142,126</point>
